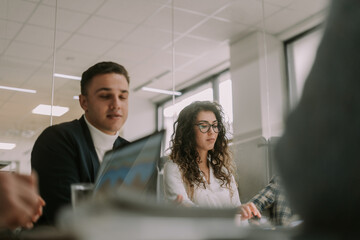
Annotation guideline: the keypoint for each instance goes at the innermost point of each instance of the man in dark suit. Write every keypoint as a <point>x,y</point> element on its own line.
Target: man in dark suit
<point>71,152</point>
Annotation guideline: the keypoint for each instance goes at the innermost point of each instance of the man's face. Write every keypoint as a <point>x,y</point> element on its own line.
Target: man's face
<point>106,102</point>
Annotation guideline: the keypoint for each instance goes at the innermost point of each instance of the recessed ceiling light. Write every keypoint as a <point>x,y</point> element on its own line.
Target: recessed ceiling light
<point>7,146</point>
<point>46,110</point>
<point>18,89</point>
<point>66,76</point>
<point>161,91</point>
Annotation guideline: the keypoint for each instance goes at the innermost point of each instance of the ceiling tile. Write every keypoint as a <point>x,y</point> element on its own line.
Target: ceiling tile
<point>219,30</point>
<point>3,45</point>
<point>282,3</point>
<point>8,29</point>
<point>10,74</point>
<point>69,20</point>
<point>154,38</point>
<point>88,45</point>
<point>28,98</point>
<point>127,54</point>
<point>41,80</point>
<point>194,46</point>
<point>159,64</point>
<point>66,20</point>
<point>183,21</point>
<point>28,51</point>
<point>309,6</point>
<point>165,59</point>
<point>16,10</point>
<point>14,109</point>
<point>275,24</point>
<point>4,95</point>
<point>134,11</point>
<point>209,60</point>
<point>202,6</point>
<point>85,6</point>
<point>166,82</point>
<point>247,12</point>
<point>144,72</point>
<point>105,28</point>
<point>66,89</point>
<point>74,61</point>
<point>41,36</point>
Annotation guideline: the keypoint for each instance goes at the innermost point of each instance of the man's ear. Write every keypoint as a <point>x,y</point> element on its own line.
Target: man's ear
<point>83,102</point>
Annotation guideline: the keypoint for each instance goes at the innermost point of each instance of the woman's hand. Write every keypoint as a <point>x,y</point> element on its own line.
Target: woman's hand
<point>179,199</point>
<point>248,211</point>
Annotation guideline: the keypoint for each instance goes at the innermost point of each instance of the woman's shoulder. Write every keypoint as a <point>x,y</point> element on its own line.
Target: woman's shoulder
<point>171,166</point>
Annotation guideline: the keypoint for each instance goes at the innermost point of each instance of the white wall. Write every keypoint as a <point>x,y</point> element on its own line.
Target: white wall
<point>259,95</point>
<point>141,119</point>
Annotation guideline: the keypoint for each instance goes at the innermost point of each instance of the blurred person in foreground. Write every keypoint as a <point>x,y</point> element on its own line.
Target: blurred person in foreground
<point>71,152</point>
<point>200,170</point>
<point>319,154</point>
<point>20,204</point>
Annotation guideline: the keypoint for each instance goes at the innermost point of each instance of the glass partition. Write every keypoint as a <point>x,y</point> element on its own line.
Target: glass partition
<point>26,67</point>
<point>164,44</point>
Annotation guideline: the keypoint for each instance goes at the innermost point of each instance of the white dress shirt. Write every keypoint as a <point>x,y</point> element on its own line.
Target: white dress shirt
<point>214,195</point>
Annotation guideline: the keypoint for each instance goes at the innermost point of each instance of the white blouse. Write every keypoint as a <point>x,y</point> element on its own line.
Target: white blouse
<point>214,195</point>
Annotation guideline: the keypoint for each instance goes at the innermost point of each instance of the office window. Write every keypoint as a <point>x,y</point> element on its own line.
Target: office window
<point>301,52</point>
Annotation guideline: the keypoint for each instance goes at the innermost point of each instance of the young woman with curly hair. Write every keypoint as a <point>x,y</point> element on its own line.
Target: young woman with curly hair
<point>200,170</point>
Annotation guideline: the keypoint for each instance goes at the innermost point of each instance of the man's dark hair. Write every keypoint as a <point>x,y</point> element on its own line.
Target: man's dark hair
<point>101,68</point>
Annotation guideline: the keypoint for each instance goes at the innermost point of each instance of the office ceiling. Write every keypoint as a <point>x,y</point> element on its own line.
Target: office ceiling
<point>140,34</point>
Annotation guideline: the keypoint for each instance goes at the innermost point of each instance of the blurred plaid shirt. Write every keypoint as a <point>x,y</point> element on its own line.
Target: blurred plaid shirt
<point>272,197</point>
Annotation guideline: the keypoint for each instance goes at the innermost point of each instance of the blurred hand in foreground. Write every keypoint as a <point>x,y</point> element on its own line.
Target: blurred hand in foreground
<point>20,203</point>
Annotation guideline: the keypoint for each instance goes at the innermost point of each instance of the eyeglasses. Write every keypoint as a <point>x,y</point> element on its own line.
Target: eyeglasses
<point>204,127</point>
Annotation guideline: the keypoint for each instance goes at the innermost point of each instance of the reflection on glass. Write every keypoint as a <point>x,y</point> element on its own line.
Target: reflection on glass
<point>135,33</point>
<point>301,53</point>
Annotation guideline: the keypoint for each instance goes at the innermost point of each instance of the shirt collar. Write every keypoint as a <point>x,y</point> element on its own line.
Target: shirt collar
<point>101,140</point>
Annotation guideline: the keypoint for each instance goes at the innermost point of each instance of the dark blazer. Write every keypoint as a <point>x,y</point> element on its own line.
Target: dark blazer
<point>64,154</point>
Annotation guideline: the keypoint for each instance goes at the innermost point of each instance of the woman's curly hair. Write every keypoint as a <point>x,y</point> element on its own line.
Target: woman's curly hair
<point>184,152</point>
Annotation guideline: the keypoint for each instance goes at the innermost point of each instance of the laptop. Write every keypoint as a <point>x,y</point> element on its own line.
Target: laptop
<point>131,168</point>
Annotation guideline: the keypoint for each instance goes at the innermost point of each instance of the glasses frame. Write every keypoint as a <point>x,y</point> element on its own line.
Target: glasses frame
<point>213,126</point>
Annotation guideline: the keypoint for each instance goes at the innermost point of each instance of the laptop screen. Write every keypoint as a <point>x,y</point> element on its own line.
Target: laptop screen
<point>132,167</point>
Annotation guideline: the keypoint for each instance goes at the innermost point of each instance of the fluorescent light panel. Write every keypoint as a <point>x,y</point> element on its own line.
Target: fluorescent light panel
<point>76,97</point>
<point>43,109</point>
<point>161,91</point>
<point>18,89</point>
<point>7,146</point>
<point>67,76</point>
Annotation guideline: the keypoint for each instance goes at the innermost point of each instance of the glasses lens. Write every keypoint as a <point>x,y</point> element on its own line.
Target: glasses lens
<point>204,127</point>
<point>215,128</point>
